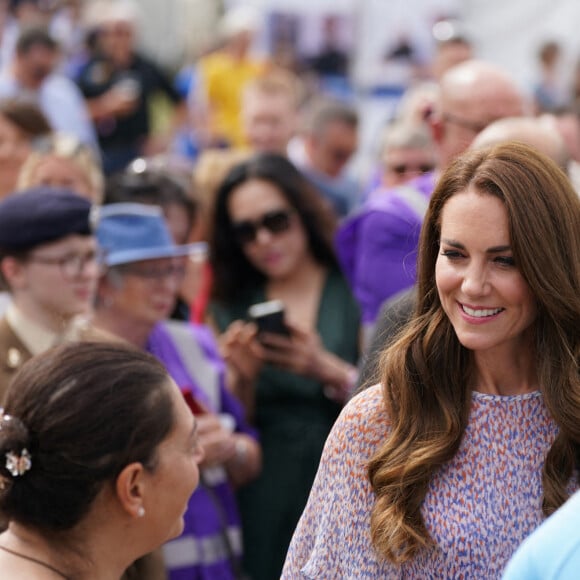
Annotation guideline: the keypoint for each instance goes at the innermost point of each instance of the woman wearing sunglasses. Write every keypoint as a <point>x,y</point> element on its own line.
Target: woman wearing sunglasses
<point>271,240</point>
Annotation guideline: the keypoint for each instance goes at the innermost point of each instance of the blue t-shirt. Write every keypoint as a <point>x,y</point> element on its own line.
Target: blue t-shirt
<point>552,552</point>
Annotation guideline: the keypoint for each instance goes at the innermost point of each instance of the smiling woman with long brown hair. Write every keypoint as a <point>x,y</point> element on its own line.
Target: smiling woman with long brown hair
<point>472,437</point>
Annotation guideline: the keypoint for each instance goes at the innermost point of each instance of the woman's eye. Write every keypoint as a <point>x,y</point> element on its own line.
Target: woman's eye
<point>505,260</point>
<point>451,254</point>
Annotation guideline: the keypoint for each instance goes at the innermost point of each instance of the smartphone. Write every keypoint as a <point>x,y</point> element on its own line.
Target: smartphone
<point>269,317</point>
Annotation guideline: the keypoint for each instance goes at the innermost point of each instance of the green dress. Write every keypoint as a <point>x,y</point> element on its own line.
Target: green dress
<point>293,418</point>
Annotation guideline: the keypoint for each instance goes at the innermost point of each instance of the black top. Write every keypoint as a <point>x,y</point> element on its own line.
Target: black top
<point>99,75</point>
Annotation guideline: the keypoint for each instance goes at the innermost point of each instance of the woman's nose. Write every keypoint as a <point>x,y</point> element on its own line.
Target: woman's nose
<point>475,281</point>
<point>172,282</point>
<point>263,235</point>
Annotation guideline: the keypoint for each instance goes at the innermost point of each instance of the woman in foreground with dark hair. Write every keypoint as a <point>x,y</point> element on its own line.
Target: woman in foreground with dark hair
<point>98,458</point>
<point>272,241</point>
<point>472,437</point>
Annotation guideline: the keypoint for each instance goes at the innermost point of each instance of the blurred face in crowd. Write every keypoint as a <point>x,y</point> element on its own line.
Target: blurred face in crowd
<point>402,164</point>
<point>178,222</point>
<point>240,43</point>
<point>146,291</point>
<point>116,39</point>
<point>56,280</point>
<point>55,171</point>
<point>448,54</point>
<point>29,13</point>
<point>569,128</point>
<point>331,149</point>
<point>14,149</point>
<point>36,65</point>
<point>473,95</point>
<point>269,121</point>
<point>267,228</point>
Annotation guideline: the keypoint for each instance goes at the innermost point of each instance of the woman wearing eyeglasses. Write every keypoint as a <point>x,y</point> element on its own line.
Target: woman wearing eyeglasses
<point>136,295</point>
<point>271,240</point>
<point>407,152</point>
<point>49,261</point>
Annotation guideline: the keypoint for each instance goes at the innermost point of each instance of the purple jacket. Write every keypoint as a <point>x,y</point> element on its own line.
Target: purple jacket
<point>377,245</point>
<point>200,553</point>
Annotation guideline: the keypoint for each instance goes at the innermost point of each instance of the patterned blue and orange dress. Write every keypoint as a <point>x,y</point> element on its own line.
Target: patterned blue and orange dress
<point>478,508</point>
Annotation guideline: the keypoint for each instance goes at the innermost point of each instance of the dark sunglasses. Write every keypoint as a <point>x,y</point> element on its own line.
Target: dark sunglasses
<point>403,168</point>
<point>275,222</point>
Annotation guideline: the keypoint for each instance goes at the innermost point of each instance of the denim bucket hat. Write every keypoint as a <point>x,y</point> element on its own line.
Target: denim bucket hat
<point>131,232</point>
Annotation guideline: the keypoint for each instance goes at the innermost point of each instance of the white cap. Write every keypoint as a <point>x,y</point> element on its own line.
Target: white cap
<point>103,12</point>
<point>240,19</point>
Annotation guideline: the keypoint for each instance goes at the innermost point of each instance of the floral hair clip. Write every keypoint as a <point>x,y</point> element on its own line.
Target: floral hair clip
<point>18,465</point>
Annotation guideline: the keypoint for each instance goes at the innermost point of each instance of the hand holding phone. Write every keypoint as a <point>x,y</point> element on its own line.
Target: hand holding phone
<point>269,317</point>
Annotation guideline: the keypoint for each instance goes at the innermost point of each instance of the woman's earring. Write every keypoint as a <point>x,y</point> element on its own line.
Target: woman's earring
<point>140,512</point>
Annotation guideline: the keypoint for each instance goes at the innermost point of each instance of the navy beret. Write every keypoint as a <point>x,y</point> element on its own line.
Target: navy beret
<point>40,215</point>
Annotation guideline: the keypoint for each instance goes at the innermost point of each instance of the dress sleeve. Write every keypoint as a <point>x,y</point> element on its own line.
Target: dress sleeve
<point>336,518</point>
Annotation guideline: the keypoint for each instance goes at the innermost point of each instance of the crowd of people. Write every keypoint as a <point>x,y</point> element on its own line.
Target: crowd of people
<point>226,356</point>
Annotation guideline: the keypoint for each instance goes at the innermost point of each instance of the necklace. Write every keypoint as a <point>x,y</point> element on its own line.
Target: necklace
<point>36,561</point>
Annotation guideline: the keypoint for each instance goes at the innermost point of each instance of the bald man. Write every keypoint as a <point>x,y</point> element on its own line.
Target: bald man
<point>538,132</point>
<point>567,122</point>
<point>377,246</point>
<point>472,95</point>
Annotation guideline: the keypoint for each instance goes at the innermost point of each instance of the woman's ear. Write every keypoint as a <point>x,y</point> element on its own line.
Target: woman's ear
<point>437,127</point>
<point>130,489</point>
<point>14,272</point>
<point>106,290</point>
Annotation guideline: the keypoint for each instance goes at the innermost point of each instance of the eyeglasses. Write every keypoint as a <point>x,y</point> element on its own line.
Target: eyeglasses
<point>155,272</point>
<point>404,168</point>
<point>473,126</point>
<point>71,265</point>
<point>275,222</point>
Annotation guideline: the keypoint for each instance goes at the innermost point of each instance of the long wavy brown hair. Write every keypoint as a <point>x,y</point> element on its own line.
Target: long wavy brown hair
<point>426,371</point>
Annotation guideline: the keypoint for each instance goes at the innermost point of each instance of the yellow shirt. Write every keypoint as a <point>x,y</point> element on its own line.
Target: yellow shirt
<point>223,79</point>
